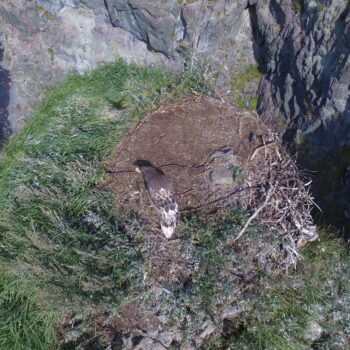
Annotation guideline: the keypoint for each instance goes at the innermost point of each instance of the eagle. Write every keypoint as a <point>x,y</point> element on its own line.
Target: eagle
<point>161,194</point>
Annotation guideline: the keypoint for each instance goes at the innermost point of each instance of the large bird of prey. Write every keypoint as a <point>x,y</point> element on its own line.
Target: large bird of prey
<point>162,196</point>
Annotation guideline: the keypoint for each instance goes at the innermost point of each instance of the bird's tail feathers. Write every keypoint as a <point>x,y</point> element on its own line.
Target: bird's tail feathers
<point>168,230</point>
<point>169,219</point>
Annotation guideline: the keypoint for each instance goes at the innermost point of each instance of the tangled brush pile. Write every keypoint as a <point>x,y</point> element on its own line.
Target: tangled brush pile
<point>276,192</point>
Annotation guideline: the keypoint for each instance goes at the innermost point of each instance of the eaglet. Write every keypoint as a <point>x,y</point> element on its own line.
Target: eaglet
<point>162,196</point>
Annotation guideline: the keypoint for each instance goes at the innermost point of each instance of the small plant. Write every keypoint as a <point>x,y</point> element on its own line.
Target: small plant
<point>298,6</point>
<point>46,13</point>
<point>237,173</point>
<point>239,101</point>
<point>321,7</point>
<point>51,52</point>
<point>232,42</point>
<point>253,102</point>
<point>239,80</point>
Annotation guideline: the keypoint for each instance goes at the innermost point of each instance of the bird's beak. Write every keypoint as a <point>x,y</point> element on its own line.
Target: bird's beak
<point>138,170</point>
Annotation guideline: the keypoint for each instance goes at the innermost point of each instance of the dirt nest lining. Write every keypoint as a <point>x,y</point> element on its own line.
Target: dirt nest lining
<point>215,154</point>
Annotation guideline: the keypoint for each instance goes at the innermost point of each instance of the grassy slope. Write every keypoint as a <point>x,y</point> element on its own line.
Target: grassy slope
<point>58,228</point>
<point>59,232</point>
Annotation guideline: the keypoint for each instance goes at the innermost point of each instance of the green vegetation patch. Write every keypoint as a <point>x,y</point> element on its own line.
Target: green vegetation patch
<point>239,81</point>
<point>306,309</point>
<point>237,173</point>
<point>59,228</point>
<point>24,323</point>
<point>298,6</point>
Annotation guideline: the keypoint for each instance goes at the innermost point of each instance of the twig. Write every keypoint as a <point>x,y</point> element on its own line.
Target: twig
<point>179,195</point>
<point>154,339</point>
<point>261,147</point>
<point>183,166</point>
<point>120,172</point>
<point>257,211</point>
<point>219,95</point>
<point>221,199</point>
<point>161,166</point>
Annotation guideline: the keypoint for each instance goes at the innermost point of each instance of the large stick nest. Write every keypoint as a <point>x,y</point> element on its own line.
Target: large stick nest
<point>217,154</point>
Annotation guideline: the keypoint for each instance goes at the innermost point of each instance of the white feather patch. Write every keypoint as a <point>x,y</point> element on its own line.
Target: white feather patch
<point>169,220</point>
<point>168,230</point>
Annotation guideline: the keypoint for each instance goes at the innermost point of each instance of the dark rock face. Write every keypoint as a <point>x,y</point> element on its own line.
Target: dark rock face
<point>182,31</point>
<point>302,47</point>
<point>160,26</point>
<point>304,51</point>
<point>45,40</point>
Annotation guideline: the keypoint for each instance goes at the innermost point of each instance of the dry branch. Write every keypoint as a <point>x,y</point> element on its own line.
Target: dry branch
<point>255,214</point>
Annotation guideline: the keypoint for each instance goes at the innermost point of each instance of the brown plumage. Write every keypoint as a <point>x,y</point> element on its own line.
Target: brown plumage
<point>162,195</point>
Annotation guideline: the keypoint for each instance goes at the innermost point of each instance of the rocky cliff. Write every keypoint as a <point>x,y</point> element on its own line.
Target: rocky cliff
<point>304,51</point>
<point>302,48</point>
<point>44,40</point>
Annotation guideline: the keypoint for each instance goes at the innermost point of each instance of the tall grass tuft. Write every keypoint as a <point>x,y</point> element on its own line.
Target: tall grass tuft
<point>24,323</point>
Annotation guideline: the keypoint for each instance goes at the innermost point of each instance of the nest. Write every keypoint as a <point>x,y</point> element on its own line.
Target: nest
<point>268,184</point>
<point>217,154</point>
<point>277,193</point>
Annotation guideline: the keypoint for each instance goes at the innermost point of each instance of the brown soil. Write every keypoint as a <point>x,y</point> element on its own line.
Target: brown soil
<point>180,137</point>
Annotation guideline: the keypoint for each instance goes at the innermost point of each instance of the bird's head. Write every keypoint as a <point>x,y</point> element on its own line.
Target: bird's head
<point>141,163</point>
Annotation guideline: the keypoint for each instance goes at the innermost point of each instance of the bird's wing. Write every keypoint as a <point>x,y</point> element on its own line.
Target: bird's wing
<point>161,193</point>
<point>165,203</point>
<point>163,198</point>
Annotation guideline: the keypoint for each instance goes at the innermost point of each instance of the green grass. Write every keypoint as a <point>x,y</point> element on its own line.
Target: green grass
<point>239,81</point>
<point>284,307</point>
<point>24,323</point>
<point>59,226</point>
<point>237,173</point>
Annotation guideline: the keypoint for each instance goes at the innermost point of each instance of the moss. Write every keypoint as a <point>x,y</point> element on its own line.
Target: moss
<point>310,113</point>
<point>237,173</point>
<point>298,6</point>
<point>239,80</point>
<point>253,102</point>
<point>46,13</point>
<point>321,7</point>
<point>239,102</point>
<point>51,52</point>
<point>300,139</point>
<point>232,42</point>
